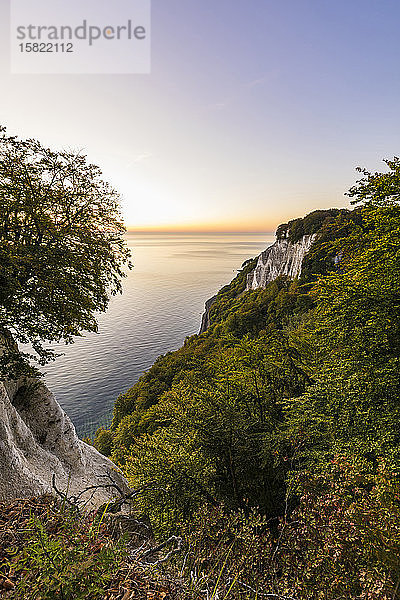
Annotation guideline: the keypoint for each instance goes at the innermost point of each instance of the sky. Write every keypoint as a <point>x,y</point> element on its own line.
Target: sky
<point>255,111</point>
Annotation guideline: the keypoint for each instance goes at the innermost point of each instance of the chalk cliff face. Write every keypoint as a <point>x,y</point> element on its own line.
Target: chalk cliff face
<point>282,258</point>
<point>205,320</point>
<point>37,440</point>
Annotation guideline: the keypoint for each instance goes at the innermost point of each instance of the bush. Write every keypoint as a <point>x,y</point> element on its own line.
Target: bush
<point>57,554</point>
<point>103,441</point>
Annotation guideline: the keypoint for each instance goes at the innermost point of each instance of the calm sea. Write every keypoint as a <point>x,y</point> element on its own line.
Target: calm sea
<point>162,303</point>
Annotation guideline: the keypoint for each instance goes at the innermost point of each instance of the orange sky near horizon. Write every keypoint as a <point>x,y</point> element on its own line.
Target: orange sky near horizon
<point>206,228</point>
<point>252,115</point>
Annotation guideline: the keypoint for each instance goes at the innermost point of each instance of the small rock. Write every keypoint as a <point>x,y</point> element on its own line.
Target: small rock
<point>7,584</point>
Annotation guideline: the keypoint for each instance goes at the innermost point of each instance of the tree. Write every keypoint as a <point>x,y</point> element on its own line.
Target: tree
<point>62,252</point>
<point>355,329</point>
<point>378,189</point>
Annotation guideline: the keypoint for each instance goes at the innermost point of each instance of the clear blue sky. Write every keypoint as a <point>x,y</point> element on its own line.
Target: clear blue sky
<point>255,112</point>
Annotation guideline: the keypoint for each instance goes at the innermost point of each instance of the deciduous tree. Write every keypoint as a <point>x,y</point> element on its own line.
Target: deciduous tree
<point>62,252</point>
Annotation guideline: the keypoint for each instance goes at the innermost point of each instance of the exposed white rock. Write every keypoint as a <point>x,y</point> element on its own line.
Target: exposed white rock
<point>38,439</point>
<point>205,320</point>
<point>282,258</point>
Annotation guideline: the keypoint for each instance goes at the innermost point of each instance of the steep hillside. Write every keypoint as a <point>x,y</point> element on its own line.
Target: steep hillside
<point>234,313</point>
<point>284,258</point>
<point>274,433</point>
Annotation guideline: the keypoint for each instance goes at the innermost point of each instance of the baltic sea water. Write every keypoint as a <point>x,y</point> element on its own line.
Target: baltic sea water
<point>162,303</point>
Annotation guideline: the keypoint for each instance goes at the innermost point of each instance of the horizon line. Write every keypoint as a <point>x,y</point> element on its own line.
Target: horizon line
<point>198,231</point>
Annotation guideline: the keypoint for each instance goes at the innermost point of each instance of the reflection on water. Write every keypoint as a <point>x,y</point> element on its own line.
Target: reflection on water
<point>162,303</point>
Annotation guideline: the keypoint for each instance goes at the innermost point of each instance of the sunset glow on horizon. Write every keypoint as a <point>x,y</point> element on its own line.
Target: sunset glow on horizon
<point>211,229</point>
<point>252,115</point>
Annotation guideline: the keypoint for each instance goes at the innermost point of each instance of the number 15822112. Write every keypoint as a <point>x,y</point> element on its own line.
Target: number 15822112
<point>46,47</point>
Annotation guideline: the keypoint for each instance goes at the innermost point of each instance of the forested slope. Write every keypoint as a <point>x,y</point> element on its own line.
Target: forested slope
<point>287,410</point>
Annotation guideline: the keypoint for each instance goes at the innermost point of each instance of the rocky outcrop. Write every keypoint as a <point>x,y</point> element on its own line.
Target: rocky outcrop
<point>37,440</point>
<point>282,258</point>
<point>205,319</point>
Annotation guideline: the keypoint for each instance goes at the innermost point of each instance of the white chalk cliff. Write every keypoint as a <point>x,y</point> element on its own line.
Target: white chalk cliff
<point>37,440</point>
<point>282,258</point>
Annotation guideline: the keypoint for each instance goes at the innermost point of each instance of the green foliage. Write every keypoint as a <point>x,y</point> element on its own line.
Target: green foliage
<point>312,223</point>
<point>331,246</point>
<point>61,247</point>
<point>222,303</point>
<point>212,436</point>
<point>378,189</point>
<point>341,541</point>
<point>287,405</point>
<point>344,539</point>
<point>248,314</point>
<point>229,555</point>
<point>103,441</point>
<point>226,417</point>
<point>355,326</point>
<point>67,557</point>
